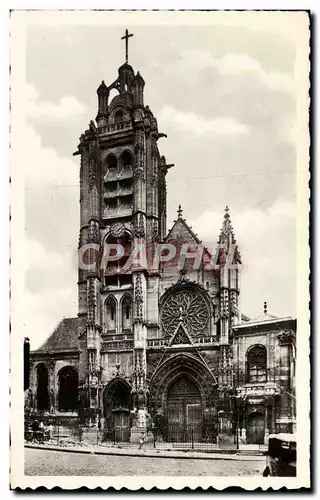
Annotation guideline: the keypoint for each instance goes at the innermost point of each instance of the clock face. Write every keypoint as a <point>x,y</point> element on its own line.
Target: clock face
<point>117,229</point>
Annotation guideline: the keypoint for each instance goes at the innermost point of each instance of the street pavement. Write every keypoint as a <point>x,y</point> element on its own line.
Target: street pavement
<point>39,462</point>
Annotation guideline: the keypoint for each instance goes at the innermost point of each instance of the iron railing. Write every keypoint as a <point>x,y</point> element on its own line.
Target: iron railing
<point>193,437</point>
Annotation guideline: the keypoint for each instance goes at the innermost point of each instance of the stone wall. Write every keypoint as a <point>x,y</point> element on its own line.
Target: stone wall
<point>114,362</point>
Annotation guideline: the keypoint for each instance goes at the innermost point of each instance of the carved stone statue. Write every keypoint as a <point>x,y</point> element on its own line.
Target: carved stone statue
<point>52,400</point>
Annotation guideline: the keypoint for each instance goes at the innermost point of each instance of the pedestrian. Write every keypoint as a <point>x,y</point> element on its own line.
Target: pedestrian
<point>142,439</point>
<point>50,430</point>
<point>35,425</point>
<point>80,434</point>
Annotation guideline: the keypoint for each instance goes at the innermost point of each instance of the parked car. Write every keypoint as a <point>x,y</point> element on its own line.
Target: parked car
<point>281,456</point>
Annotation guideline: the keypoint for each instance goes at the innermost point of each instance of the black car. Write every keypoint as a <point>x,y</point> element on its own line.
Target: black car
<point>281,456</point>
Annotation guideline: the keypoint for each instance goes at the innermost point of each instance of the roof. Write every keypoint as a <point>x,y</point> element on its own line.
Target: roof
<point>244,317</point>
<point>181,230</point>
<point>181,233</point>
<point>126,66</point>
<point>64,337</point>
<point>284,437</point>
<point>264,319</point>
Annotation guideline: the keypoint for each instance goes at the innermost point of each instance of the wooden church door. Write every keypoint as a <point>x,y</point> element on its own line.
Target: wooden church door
<point>184,413</point>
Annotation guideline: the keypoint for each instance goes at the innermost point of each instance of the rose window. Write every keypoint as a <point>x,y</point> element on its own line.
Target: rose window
<point>188,308</point>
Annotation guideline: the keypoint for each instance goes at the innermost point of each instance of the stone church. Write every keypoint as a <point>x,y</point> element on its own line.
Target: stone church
<point>166,345</point>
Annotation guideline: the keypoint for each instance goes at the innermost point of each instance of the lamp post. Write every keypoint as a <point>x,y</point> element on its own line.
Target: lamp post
<point>26,361</point>
<point>237,417</point>
<point>237,399</point>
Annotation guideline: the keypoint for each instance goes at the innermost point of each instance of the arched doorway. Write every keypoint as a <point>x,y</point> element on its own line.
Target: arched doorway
<point>255,430</point>
<point>184,410</point>
<point>182,391</point>
<point>68,389</point>
<point>42,387</point>
<point>116,406</point>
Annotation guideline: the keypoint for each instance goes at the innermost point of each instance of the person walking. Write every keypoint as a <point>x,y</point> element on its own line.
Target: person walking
<point>50,431</point>
<point>142,439</point>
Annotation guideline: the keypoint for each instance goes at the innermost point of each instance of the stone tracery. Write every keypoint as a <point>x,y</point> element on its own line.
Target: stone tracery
<point>187,307</point>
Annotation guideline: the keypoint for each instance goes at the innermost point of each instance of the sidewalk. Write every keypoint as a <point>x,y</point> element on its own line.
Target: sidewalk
<point>218,454</point>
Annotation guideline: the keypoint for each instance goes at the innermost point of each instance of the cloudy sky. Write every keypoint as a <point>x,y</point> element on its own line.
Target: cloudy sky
<point>225,96</point>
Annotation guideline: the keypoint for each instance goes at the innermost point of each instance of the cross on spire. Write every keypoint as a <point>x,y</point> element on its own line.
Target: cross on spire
<point>126,38</point>
<point>179,211</point>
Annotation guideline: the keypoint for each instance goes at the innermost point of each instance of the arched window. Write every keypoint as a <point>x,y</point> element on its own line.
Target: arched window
<point>42,387</point>
<point>111,314</point>
<point>113,95</point>
<point>126,313</point>
<point>118,117</point>
<point>68,389</point>
<point>126,159</point>
<point>257,364</point>
<point>112,164</point>
<point>125,242</point>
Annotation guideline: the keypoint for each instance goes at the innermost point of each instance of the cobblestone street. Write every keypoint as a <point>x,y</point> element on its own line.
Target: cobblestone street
<point>55,463</point>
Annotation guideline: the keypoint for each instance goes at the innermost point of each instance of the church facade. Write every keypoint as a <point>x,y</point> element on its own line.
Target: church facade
<point>159,334</point>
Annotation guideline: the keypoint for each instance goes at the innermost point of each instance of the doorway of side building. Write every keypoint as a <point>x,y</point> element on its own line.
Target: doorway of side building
<point>255,429</point>
<point>184,411</point>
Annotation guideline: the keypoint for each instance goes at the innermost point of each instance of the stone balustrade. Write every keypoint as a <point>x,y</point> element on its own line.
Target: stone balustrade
<point>117,345</point>
<point>114,127</point>
<point>197,342</point>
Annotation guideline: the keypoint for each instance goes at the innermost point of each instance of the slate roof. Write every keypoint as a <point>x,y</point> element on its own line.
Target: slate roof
<point>63,338</point>
<point>182,229</point>
<point>181,233</point>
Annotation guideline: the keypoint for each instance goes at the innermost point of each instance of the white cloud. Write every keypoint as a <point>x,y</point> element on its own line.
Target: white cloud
<point>50,298</point>
<point>68,107</point>
<point>50,277</point>
<point>231,64</point>
<point>39,259</point>
<point>44,310</point>
<point>267,245</point>
<point>197,125</point>
<point>42,165</point>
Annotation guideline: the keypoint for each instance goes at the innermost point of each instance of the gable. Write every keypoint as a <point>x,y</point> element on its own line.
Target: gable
<point>181,233</point>
<point>180,337</point>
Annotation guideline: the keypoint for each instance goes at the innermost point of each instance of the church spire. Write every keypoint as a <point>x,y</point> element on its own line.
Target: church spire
<point>179,212</point>
<point>228,241</point>
<point>226,233</point>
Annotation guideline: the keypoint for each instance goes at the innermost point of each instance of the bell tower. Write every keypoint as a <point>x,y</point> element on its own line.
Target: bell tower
<point>122,202</point>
